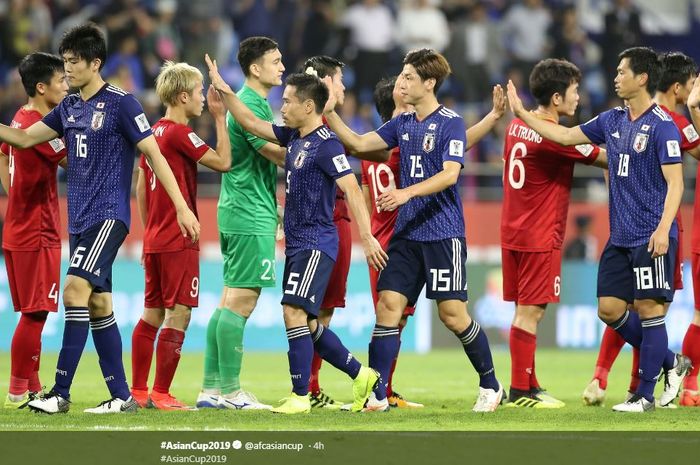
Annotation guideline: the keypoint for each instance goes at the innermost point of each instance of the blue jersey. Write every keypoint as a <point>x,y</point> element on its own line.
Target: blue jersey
<point>312,165</point>
<point>424,146</point>
<point>636,150</point>
<point>101,136</point>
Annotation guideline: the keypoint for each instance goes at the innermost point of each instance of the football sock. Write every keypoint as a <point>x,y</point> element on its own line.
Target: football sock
<point>229,337</point>
<point>651,355</point>
<point>329,347</point>
<point>534,383</point>
<point>634,374</point>
<point>389,388</point>
<point>522,355</point>
<point>691,348</point>
<point>108,344</point>
<point>75,333</point>
<point>167,358</point>
<point>142,340</point>
<point>383,349</point>
<point>476,346</point>
<point>25,351</point>
<point>629,327</point>
<point>211,354</point>
<point>314,387</point>
<point>301,351</point>
<point>610,347</point>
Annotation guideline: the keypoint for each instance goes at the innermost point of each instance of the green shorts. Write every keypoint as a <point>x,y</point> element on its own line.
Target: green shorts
<point>249,261</point>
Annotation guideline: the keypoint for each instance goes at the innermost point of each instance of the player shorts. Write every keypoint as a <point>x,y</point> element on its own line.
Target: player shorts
<point>338,283</point>
<point>171,278</point>
<point>631,273</point>
<point>93,252</point>
<point>34,277</point>
<point>695,265</point>
<point>531,278</point>
<point>306,275</point>
<point>249,261</point>
<point>441,265</point>
<point>373,278</point>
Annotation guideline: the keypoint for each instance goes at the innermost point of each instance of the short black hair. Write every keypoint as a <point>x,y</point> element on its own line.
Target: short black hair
<point>252,49</point>
<point>309,87</point>
<point>38,67</point>
<point>676,67</point>
<point>429,64</point>
<point>86,42</point>
<point>644,60</point>
<point>323,65</point>
<point>552,76</point>
<point>384,98</point>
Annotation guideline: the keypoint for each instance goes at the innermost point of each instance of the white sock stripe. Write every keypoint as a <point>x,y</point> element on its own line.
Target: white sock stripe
<point>78,312</point>
<point>653,322</point>
<point>385,332</point>
<point>469,338</point>
<point>309,273</point>
<point>75,318</point>
<point>318,333</point>
<point>624,320</point>
<point>102,324</point>
<point>300,329</point>
<point>98,245</point>
<point>297,335</point>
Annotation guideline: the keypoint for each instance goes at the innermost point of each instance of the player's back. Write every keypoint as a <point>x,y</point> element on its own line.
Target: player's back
<point>32,220</point>
<point>381,177</point>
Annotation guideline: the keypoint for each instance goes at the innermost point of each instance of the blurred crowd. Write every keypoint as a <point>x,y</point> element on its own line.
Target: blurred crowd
<point>486,42</point>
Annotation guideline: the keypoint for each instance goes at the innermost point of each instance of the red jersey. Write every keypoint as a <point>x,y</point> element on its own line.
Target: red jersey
<point>32,220</point>
<point>536,187</point>
<point>380,178</point>
<point>182,148</point>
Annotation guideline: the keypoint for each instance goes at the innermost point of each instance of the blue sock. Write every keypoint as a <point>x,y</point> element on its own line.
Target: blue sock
<point>75,333</point>
<point>301,352</point>
<point>476,346</point>
<point>651,355</point>
<point>629,327</point>
<point>669,360</point>
<point>108,343</point>
<point>383,349</point>
<point>329,347</point>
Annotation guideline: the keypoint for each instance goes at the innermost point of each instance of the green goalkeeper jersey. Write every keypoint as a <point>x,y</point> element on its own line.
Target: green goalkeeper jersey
<point>247,203</point>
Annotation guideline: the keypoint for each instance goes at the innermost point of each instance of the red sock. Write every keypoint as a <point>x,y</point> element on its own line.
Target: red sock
<point>534,384</point>
<point>314,388</point>
<point>167,358</point>
<point>142,354</point>
<point>34,383</point>
<point>25,350</point>
<point>691,349</point>
<point>634,375</point>
<point>389,389</point>
<point>610,347</point>
<point>522,355</point>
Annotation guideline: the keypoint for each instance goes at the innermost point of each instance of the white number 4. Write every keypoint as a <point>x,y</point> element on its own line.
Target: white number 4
<point>53,293</point>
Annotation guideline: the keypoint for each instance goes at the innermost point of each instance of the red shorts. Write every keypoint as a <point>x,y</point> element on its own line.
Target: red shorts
<point>172,278</point>
<point>34,277</point>
<point>531,278</point>
<point>678,272</point>
<point>373,278</point>
<point>695,262</point>
<point>338,282</point>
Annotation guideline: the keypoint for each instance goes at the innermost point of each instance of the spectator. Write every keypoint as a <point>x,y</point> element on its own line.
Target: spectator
<point>584,246</point>
<point>622,30</point>
<point>524,30</point>
<point>421,25</point>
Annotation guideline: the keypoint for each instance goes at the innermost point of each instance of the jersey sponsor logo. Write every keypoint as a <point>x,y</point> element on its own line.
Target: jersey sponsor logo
<point>196,141</point>
<point>57,145</point>
<point>690,133</point>
<point>71,119</point>
<point>404,136</point>
<point>307,144</point>
<point>142,123</point>
<point>299,160</point>
<point>673,148</point>
<point>160,130</point>
<point>645,127</point>
<point>615,134</point>
<point>584,149</point>
<point>428,142</point>
<point>456,148</point>
<point>341,163</point>
<point>100,105</point>
<point>640,142</point>
<point>98,119</point>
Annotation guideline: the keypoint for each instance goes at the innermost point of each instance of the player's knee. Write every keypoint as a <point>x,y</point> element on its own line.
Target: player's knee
<point>649,308</point>
<point>76,293</point>
<point>178,318</point>
<point>294,316</point>
<point>153,316</point>
<point>454,321</point>
<point>242,305</point>
<point>100,305</point>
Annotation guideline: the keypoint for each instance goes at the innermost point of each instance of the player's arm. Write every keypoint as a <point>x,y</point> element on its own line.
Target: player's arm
<point>189,225</point>
<point>483,127</point>
<point>368,199</point>
<point>389,201</point>
<point>141,196</point>
<point>367,146</point>
<point>23,138</point>
<point>673,174</point>
<point>5,172</point>
<point>376,257</point>
<point>238,109</point>
<point>63,163</point>
<point>602,160</point>
<point>694,103</point>
<point>273,153</point>
<point>554,132</point>
<point>219,159</point>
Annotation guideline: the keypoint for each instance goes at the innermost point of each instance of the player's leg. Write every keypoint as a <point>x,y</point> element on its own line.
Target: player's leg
<point>396,399</point>
<point>691,342</point>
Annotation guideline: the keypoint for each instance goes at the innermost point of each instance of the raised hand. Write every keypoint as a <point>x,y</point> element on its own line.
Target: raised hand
<point>330,104</point>
<point>215,104</point>
<point>216,80</point>
<point>694,97</point>
<point>499,101</point>
<point>516,105</point>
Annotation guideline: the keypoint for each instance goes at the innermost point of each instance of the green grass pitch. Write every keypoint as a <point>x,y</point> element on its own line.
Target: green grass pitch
<point>443,380</point>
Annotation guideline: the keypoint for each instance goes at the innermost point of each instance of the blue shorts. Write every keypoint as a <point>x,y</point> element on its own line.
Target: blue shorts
<point>441,265</point>
<point>306,275</point>
<point>631,273</point>
<point>93,252</point>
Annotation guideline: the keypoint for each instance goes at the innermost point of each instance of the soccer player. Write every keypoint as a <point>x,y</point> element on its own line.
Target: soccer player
<point>102,125</point>
<point>315,163</point>
<point>537,177</point>
<point>428,245</point>
<point>31,240</point>
<point>674,87</point>
<point>247,220</point>
<point>646,185</point>
<point>171,261</point>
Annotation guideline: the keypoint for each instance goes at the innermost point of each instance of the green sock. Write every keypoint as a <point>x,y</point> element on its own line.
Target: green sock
<point>211,354</point>
<point>229,334</point>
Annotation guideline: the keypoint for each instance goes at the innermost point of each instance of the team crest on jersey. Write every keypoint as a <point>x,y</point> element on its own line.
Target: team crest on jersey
<point>307,144</point>
<point>432,127</point>
<point>428,142</point>
<point>100,105</point>
<point>299,160</point>
<point>640,142</point>
<point>98,119</point>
